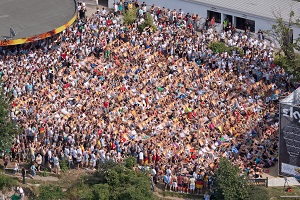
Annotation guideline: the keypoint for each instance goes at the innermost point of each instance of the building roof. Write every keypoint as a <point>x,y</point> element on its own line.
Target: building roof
<point>293,98</point>
<point>260,8</point>
<point>33,17</point>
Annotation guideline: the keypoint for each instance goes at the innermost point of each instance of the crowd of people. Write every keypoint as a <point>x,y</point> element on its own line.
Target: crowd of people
<point>103,90</point>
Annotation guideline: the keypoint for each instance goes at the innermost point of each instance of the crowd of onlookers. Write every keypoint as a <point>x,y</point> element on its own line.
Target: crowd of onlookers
<point>102,90</point>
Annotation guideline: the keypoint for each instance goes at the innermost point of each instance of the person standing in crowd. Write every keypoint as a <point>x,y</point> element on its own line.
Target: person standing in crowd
<point>33,170</point>
<point>39,161</point>
<point>212,21</point>
<point>16,167</point>
<point>23,175</point>
<point>56,164</point>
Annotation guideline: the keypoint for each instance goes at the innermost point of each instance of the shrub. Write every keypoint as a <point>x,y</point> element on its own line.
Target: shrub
<point>218,47</point>
<point>50,192</point>
<point>45,172</point>
<point>64,165</point>
<point>148,22</point>
<point>7,181</point>
<point>101,191</point>
<point>236,49</point>
<point>130,162</point>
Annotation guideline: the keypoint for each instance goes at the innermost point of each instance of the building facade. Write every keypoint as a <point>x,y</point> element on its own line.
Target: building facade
<point>260,15</point>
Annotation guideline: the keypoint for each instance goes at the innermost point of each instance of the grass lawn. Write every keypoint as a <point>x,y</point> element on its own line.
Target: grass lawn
<point>277,192</point>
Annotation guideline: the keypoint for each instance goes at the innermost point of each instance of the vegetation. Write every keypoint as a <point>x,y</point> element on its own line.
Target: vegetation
<point>8,128</point>
<point>130,162</point>
<point>237,50</point>
<point>281,33</point>
<point>275,193</point>
<point>229,184</point>
<point>6,181</point>
<point>113,182</point>
<point>50,192</point>
<point>130,16</point>
<point>147,23</point>
<point>220,47</point>
<point>64,165</point>
<point>258,193</point>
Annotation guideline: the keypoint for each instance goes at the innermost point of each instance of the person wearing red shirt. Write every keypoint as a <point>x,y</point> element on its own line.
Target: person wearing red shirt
<point>105,105</point>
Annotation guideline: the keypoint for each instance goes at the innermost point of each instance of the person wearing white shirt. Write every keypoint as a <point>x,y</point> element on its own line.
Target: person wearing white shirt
<point>21,191</point>
<point>141,158</point>
<point>56,164</point>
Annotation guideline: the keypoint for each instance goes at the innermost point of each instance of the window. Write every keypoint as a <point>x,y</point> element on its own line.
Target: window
<point>228,17</point>
<point>217,15</point>
<point>242,23</point>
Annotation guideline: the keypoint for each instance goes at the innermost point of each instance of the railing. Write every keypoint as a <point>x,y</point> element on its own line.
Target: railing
<point>259,181</point>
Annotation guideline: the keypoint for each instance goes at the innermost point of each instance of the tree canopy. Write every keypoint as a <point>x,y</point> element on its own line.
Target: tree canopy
<point>114,181</point>
<point>230,185</point>
<point>281,32</point>
<point>8,128</point>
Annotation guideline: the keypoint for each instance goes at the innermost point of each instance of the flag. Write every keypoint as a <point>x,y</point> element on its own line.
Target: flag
<point>12,32</point>
<point>220,128</point>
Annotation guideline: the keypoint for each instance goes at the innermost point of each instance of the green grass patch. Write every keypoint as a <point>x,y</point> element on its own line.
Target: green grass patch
<point>50,192</point>
<point>7,181</point>
<point>276,192</point>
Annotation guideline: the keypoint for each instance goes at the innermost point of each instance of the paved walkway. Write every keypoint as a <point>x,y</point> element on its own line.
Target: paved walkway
<point>279,182</point>
<point>275,180</point>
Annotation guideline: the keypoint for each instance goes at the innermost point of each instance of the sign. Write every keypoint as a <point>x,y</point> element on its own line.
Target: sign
<point>291,113</point>
<point>289,140</point>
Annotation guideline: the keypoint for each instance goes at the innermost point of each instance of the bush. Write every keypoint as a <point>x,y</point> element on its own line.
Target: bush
<point>147,23</point>
<point>45,172</point>
<point>130,162</point>
<point>64,165</point>
<point>101,191</point>
<point>113,181</point>
<point>50,192</point>
<point>218,47</point>
<point>237,50</point>
<point>7,181</point>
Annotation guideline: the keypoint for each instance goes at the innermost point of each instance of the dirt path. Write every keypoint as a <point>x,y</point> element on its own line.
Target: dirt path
<point>158,192</point>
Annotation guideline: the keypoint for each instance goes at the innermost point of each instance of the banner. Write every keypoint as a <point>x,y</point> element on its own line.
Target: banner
<point>40,36</point>
<point>289,140</point>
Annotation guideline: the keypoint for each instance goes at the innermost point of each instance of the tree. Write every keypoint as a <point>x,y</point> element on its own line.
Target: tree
<point>281,33</point>
<point>124,183</point>
<point>147,23</point>
<point>130,162</point>
<point>130,16</point>
<point>229,184</point>
<point>113,181</point>
<point>220,47</point>
<point>8,128</point>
